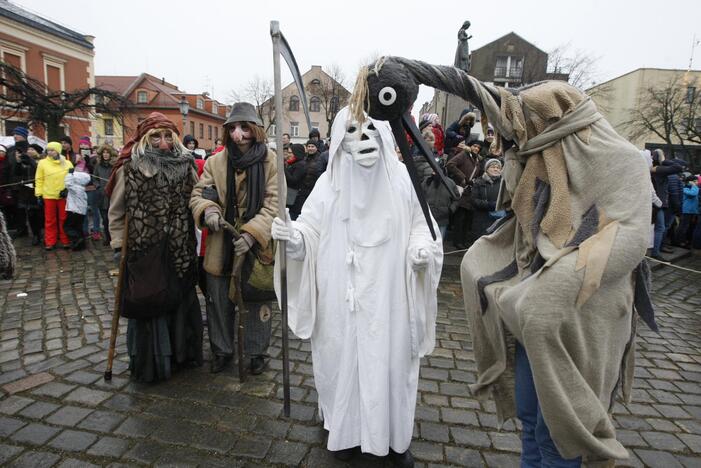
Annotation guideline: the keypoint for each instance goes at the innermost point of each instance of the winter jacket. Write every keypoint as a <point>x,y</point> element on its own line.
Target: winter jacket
<point>439,199</point>
<point>215,170</point>
<point>24,174</point>
<point>102,173</point>
<point>485,191</point>
<point>439,135</point>
<point>50,177</point>
<point>660,180</point>
<point>675,187</point>
<point>690,204</point>
<point>77,200</point>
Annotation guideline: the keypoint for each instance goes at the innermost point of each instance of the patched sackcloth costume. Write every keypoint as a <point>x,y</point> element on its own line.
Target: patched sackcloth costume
<point>561,276</point>
<point>362,275</point>
<point>150,189</point>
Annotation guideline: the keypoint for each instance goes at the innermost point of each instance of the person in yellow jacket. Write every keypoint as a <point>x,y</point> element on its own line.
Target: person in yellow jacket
<point>49,188</point>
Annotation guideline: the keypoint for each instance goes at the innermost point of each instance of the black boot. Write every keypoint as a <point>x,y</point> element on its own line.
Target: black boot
<point>402,460</point>
<point>345,454</point>
<point>36,240</point>
<point>219,363</point>
<point>257,365</point>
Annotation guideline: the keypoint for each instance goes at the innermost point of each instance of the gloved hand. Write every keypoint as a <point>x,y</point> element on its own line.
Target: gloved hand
<point>283,230</point>
<point>71,170</point>
<point>210,193</point>
<point>40,200</point>
<point>418,259</point>
<point>117,256</point>
<point>213,219</point>
<point>63,193</point>
<point>243,244</point>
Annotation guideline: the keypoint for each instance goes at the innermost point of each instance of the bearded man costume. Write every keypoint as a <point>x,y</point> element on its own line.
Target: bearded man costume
<point>362,275</point>
<point>551,292</point>
<point>150,190</point>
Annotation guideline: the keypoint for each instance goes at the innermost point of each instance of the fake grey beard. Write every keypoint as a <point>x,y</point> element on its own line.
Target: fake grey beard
<point>170,165</point>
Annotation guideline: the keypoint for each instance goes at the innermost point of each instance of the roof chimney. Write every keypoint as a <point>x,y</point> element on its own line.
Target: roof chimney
<point>163,81</point>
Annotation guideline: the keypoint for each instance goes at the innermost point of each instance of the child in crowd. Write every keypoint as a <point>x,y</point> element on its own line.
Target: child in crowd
<point>48,188</point>
<point>76,207</point>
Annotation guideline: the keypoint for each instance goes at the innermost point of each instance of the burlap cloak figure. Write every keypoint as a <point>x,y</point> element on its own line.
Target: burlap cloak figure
<point>559,274</point>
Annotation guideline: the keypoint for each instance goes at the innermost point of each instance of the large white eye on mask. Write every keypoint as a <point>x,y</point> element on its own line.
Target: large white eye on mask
<point>362,142</point>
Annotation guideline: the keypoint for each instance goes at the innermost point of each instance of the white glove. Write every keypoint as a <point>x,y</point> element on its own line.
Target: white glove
<point>284,231</point>
<point>212,219</point>
<point>418,259</point>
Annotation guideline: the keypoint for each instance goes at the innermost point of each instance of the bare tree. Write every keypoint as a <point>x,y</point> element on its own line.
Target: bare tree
<point>26,96</point>
<point>579,65</point>
<point>260,92</point>
<point>331,92</point>
<point>668,111</point>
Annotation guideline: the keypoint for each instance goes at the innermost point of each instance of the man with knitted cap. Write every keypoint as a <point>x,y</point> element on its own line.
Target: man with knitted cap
<point>239,186</point>
<point>149,193</point>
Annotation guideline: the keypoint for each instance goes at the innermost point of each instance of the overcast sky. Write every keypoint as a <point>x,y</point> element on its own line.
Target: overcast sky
<point>218,46</point>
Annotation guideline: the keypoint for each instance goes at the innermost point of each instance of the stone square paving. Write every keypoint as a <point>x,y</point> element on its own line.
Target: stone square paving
<point>56,410</point>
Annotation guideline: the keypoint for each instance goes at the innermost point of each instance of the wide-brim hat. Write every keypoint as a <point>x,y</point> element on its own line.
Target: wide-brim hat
<point>243,112</point>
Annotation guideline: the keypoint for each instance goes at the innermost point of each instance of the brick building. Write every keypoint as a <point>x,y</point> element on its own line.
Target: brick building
<point>51,53</point>
<point>147,94</point>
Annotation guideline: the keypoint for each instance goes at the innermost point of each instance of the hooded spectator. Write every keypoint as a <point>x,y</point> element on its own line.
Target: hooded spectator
<point>106,157</point>
<point>485,192</point>
<point>459,131</point>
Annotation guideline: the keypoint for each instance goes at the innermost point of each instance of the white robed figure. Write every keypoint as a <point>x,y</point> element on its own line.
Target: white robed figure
<point>362,276</point>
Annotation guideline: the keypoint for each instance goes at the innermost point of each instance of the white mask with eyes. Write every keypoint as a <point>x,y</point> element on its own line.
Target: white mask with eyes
<point>362,142</point>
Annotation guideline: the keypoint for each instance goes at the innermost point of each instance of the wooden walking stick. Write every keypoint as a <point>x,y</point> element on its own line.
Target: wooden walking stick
<point>238,299</point>
<point>117,302</point>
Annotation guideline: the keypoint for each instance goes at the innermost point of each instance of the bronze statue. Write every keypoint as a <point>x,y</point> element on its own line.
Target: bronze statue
<point>462,53</point>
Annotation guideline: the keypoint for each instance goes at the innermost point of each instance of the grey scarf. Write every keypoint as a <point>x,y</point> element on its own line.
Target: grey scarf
<point>169,166</point>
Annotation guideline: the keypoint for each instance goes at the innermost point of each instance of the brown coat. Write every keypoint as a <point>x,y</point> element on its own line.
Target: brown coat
<point>462,169</point>
<point>214,173</point>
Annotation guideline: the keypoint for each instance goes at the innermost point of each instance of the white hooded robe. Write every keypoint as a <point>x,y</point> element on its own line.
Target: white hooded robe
<point>352,290</point>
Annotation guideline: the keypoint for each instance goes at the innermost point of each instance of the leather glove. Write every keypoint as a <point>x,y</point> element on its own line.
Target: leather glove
<point>210,193</point>
<point>63,193</point>
<point>71,170</point>
<point>418,259</point>
<point>243,244</point>
<point>213,219</point>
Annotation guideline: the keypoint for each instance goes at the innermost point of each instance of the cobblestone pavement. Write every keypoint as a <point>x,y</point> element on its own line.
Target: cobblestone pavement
<point>55,408</point>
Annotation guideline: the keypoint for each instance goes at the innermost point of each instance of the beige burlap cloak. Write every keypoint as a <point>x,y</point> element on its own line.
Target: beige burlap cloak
<point>558,275</point>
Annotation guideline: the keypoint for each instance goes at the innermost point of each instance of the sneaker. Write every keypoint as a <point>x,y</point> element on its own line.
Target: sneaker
<point>49,247</point>
<point>66,246</point>
<point>257,365</point>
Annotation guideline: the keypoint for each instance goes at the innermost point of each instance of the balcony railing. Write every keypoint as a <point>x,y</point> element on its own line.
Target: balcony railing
<point>503,72</point>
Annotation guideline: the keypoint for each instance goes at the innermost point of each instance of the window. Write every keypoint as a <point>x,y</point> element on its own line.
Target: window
<point>201,130</point>
<point>192,128</point>
<point>271,130</point>
<point>216,133</point>
<point>141,97</point>
<point>508,66</point>
<point>294,104</point>
<point>314,104</point>
<point>294,129</point>
<point>215,108</point>
<point>690,94</point>
<point>316,82</point>
<point>53,78</point>
<point>200,103</point>
<point>109,127</point>
<point>209,132</point>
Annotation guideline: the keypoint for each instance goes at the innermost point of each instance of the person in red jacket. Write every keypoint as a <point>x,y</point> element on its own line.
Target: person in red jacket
<point>432,120</point>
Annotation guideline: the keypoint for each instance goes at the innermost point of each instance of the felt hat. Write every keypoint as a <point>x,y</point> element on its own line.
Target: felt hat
<point>243,112</point>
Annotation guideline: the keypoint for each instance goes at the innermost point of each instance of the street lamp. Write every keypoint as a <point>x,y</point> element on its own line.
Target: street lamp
<point>184,109</point>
